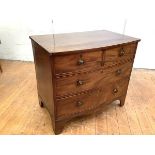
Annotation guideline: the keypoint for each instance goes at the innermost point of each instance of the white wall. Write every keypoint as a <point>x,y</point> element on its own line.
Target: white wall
<point>21,18</point>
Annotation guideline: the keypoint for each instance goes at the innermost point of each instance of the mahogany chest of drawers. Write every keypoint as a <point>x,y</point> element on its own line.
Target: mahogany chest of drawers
<point>78,73</point>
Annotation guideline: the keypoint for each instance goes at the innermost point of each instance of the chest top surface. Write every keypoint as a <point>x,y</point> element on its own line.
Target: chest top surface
<point>69,42</point>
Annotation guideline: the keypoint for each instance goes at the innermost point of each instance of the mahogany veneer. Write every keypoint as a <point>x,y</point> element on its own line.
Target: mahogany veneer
<point>83,72</point>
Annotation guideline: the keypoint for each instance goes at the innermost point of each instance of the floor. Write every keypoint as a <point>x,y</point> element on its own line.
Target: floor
<point>21,114</point>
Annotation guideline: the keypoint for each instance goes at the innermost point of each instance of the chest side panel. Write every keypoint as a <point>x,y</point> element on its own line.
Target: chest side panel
<point>43,67</point>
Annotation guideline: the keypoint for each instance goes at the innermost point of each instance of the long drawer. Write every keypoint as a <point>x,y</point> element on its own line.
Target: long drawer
<point>81,103</point>
<point>97,79</point>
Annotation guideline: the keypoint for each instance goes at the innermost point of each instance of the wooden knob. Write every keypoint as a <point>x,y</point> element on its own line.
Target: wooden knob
<point>122,52</point>
<point>79,103</point>
<point>118,72</point>
<point>115,90</point>
<point>80,82</point>
<point>80,61</point>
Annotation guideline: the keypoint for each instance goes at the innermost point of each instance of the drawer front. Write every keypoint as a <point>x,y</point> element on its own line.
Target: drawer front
<point>87,61</point>
<point>97,79</point>
<point>77,62</point>
<point>120,53</point>
<point>79,104</point>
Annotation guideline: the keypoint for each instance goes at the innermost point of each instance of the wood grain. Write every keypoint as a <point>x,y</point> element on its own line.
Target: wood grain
<point>68,107</point>
<point>81,41</point>
<point>21,114</point>
<point>91,80</point>
<point>91,61</point>
<point>105,50</point>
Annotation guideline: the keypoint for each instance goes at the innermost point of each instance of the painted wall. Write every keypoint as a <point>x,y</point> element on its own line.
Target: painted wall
<point>21,18</point>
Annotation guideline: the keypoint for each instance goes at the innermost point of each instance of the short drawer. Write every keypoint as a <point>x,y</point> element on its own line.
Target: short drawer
<point>97,79</point>
<point>82,61</point>
<point>120,52</point>
<point>81,103</point>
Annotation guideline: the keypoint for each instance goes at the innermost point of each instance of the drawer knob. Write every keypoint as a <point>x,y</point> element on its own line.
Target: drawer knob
<point>118,72</point>
<point>115,90</point>
<point>80,82</point>
<point>122,52</point>
<point>79,103</point>
<point>80,61</point>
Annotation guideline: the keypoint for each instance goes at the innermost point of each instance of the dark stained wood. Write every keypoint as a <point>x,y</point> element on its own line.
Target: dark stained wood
<point>85,72</point>
<point>44,79</point>
<point>115,53</point>
<point>75,42</point>
<point>96,79</point>
<point>92,60</point>
<point>69,107</point>
<point>68,63</point>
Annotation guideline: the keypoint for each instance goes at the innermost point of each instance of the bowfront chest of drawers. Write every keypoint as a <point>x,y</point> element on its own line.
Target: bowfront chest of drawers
<point>79,73</point>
